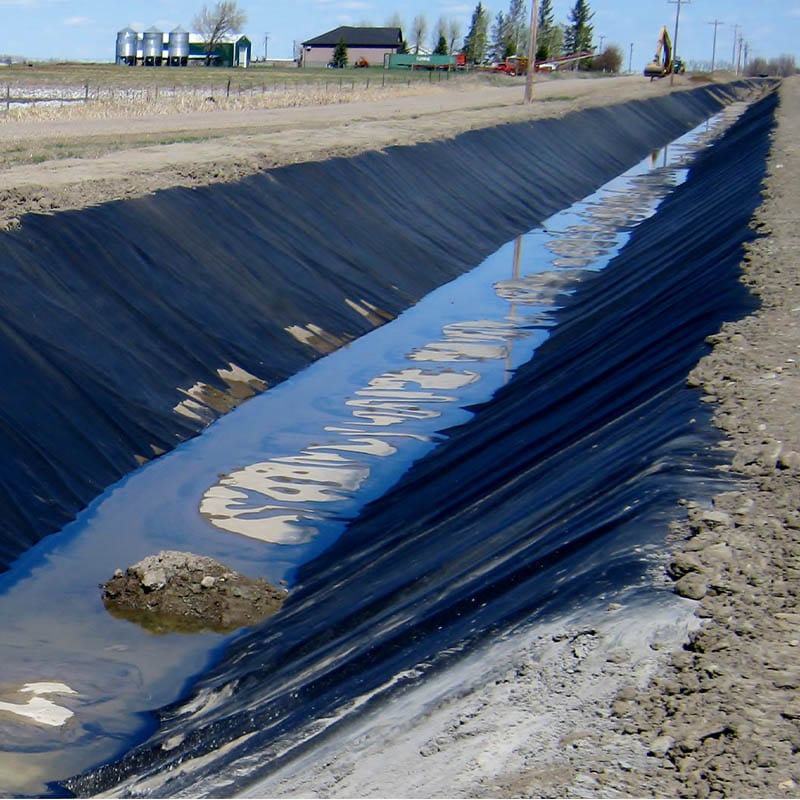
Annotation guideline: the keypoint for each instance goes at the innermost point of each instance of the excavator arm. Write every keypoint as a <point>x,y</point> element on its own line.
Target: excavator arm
<point>661,64</point>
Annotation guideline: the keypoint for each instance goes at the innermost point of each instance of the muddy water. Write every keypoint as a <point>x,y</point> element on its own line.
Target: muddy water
<point>273,484</point>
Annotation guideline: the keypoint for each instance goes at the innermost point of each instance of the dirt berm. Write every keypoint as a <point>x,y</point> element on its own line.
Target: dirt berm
<point>186,593</point>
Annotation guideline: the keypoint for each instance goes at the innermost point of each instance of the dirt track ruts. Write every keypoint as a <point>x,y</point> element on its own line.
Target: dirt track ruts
<point>116,162</point>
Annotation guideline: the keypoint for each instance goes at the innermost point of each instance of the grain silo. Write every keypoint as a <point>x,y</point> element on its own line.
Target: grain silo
<point>178,48</point>
<point>153,47</point>
<point>127,43</point>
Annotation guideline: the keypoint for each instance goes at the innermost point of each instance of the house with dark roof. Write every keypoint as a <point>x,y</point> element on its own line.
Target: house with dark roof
<point>370,44</point>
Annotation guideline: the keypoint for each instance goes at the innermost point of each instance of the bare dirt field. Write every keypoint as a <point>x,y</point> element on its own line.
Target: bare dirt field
<point>721,716</point>
<point>89,159</point>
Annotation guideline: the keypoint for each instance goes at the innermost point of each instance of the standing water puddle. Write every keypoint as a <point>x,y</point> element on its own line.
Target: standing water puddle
<point>300,461</point>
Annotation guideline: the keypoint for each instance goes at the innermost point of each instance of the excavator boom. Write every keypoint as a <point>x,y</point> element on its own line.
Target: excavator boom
<point>661,64</point>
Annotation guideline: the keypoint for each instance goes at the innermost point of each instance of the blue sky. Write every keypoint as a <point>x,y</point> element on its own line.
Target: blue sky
<point>86,31</point>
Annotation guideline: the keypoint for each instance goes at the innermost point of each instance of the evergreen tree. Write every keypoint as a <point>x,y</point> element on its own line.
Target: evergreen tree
<point>340,55</point>
<point>498,47</point>
<point>579,33</point>
<point>509,32</point>
<point>546,32</point>
<point>477,39</point>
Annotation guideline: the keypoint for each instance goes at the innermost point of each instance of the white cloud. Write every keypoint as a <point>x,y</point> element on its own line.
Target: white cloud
<point>78,22</point>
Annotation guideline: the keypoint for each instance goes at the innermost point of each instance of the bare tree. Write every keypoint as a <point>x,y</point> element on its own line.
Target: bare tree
<point>453,33</point>
<point>419,28</point>
<point>439,33</point>
<point>395,21</point>
<point>213,24</point>
<point>610,60</point>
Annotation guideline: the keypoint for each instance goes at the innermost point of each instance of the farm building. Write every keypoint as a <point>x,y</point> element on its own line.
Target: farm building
<point>178,48</point>
<point>371,44</point>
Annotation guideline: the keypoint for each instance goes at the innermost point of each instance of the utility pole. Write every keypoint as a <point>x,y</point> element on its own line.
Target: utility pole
<point>739,56</point>
<point>630,60</point>
<point>532,51</point>
<point>675,39</point>
<point>602,38</point>
<point>733,56</point>
<point>716,23</point>
<point>266,42</point>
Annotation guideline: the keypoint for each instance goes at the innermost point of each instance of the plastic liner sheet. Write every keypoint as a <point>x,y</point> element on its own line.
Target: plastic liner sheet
<point>537,504</point>
<point>121,325</point>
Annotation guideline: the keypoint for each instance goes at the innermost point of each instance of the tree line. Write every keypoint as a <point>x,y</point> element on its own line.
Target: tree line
<point>487,39</point>
<point>507,34</point>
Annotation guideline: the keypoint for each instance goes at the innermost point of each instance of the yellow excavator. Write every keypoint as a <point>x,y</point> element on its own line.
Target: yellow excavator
<point>663,62</point>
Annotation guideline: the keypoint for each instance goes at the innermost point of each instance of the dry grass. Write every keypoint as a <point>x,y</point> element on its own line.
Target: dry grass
<point>50,92</point>
<point>145,104</point>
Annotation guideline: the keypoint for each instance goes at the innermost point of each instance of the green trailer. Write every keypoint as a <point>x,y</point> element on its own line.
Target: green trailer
<point>411,61</point>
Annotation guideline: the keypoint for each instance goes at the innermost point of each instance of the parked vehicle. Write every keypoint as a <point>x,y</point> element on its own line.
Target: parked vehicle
<point>513,65</point>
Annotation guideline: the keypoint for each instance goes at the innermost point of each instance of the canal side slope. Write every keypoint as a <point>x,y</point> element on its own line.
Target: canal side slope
<point>129,326</point>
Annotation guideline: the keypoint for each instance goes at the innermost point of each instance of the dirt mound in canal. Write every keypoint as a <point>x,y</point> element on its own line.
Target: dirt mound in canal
<point>186,593</point>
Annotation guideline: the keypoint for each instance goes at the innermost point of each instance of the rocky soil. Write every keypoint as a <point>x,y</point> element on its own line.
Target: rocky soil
<point>186,593</point>
<point>723,719</point>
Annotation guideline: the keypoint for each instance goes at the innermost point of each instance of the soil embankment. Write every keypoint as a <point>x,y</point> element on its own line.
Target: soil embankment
<point>724,715</point>
<point>720,717</point>
<point>222,146</point>
<point>173,591</point>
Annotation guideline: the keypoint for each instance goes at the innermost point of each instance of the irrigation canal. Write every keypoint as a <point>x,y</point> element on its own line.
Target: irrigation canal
<point>511,445</point>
